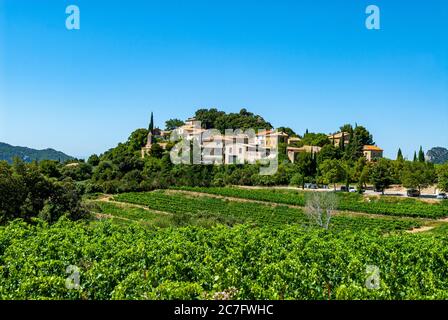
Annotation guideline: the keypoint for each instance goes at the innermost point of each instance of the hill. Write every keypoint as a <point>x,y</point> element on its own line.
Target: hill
<point>9,152</point>
<point>437,155</point>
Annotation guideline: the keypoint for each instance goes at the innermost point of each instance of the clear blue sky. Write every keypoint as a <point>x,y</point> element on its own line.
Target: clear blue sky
<point>303,64</point>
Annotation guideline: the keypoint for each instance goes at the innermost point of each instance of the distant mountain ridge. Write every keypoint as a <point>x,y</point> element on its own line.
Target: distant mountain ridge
<point>9,152</point>
<point>437,155</point>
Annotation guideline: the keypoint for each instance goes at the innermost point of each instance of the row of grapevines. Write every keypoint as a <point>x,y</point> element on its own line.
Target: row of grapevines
<point>261,214</point>
<point>117,262</point>
<point>347,201</point>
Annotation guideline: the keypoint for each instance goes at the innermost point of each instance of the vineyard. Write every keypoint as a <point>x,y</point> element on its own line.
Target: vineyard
<point>178,244</point>
<point>231,212</point>
<point>201,263</point>
<point>393,206</point>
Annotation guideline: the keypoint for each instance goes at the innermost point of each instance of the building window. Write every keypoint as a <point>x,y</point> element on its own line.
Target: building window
<point>241,150</point>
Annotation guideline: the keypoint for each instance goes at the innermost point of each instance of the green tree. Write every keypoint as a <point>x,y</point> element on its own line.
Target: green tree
<point>315,139</point>
<point>359,137</point>
<point>50,168</point>
<point>27,193</point>
<point>172,124</point>
<point>348,128</point>
<point>349,171</point>
<point>13,193</point>
<point>297,180</point>
<point>397,168</point>
<point>305,165</point>
<point>77,171</point>
<point>151,124</point>
<point>65,201</point>
<point>332,171</point>
<point>418,175</point>
<point>360,172</point>
<point>136,140</point>
<point>421,155</point>
<point>156,151</point>
<point>363,135</point>
<point>442,173</point>
<point>381,174</point>
<point>353,151</point>
<point>288,131</point>
<point>400,155</point>
<point>342,142</point>
<point>93,160</point>
<point>328,151</point>
<point>208,117</point>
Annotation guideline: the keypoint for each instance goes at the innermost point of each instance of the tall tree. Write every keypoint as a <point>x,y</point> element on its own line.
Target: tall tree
<point>342,142</point>
<point>358,139</point>
<point>400,155</point>
<point>363,135</point>
<point>349,171</point>
<point>353,151</point>
<point>348,128</point>
<point>415,156</point>
<point>421,155</point>
<point>305,167</point>
<point>151,124</point>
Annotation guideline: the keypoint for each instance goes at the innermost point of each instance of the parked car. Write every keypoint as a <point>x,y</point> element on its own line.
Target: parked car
<point>442,196</point>
<point>352,189</point>
<point>344,188</point>
<point>413,193</point>
<point>313,186</point>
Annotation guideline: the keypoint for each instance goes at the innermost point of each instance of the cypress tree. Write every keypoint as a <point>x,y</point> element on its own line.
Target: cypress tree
<point>400,155</point>
<point>151,124</point>
<point>342,142</point>
<point>421,155</point>
<point>415,156</point>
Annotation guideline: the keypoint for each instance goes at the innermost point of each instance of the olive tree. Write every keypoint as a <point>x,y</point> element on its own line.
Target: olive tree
<point>320,206</point>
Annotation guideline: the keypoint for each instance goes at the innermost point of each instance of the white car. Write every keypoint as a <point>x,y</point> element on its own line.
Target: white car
<point>352,189</point>
<point>442,196</point>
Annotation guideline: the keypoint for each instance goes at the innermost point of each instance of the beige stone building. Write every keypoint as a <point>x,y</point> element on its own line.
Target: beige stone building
<point>293,140</point>
<point>293,151</point>
<point>372,152</point>
<point>336,138</point>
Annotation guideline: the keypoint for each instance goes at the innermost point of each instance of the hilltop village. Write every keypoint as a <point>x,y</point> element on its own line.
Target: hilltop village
<point>247,146</point>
